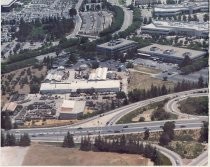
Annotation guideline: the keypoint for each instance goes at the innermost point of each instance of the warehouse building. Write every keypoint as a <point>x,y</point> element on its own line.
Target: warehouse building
<point>183,8</point>
<point>170,53</point>
<point>198,29</point>
<point>116,46</point>
<point>71,109</point>
<point>98,74</point>
<point>81,86</point>
<point>7,5</point>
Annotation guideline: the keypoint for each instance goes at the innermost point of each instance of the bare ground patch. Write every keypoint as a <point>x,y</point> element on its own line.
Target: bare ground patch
<point>144,81</point>
<point>43,154</point>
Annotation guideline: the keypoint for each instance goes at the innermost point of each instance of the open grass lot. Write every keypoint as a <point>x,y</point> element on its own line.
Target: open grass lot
<point>144,81</point>
<point>195,106</point>
<point>187,149</point>
<point>43,154</point>
<point>146,69</point>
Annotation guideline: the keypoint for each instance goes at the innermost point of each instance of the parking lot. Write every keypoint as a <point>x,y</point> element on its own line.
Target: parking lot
<point>41,9</point>
<point>94,22</point>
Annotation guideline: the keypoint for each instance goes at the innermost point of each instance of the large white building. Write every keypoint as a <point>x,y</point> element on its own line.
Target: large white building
<point>82,86</point>
<point>183,8</point>
<point>71,109</point>
<point>98,74</point>
<point>198,29</point>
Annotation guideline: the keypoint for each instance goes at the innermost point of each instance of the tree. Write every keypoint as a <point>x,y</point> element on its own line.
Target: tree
<point>186,61</point>
<point>145,20</point>
<point>184,18</point>
<point>121,95</point>
<point>68,141</point>
<point>164,139</point>
<point>205,17</point>
<point>204,132</point>
<point>25,140</point>
<point>72,59</point>
<point>195,18</point>
<point>95,64</point>
<point>168,128</point>
<point>10,140</point>
<point>189,18</point>
<point>2,139</point>
<point>200,82</point>
<point>7,122</point>
<point>129,65</point>
<point>85,144</point>
<point>146,134</point>
<point>141,119</point>
<point>72,12</point>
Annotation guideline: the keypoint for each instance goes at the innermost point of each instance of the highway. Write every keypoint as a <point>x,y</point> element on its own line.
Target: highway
<point>81,129</point>
<point>114,119</point>
<point>78,21</point>
<point>128,16</point>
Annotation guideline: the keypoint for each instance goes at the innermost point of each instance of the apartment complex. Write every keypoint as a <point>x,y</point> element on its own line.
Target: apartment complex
<point>198,29</point>
<point>116,46</point>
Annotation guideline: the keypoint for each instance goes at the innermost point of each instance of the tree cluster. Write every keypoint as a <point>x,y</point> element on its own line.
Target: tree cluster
<point>117,20</point>
<point>68,141</point>
<point>204,132</point>
<point>130,146</point>
<point>10,140</point>
<point>36,30</point>
<point>142,94</point>
<point>168,133</point>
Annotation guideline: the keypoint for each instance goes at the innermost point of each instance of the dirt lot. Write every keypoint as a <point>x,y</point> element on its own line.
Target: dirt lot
<point>147,70</point>
<point>146,114</point>
<point>13,156</point>
<point>64,156</point>
<point>144,81</point>
<point>19,81</point>
<point>47,123</point>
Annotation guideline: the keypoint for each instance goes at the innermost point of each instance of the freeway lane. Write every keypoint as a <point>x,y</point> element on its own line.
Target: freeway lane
<point>114,119</point>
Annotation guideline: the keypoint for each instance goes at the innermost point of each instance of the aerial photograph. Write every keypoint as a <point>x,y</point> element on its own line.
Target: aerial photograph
<point>104,82</point>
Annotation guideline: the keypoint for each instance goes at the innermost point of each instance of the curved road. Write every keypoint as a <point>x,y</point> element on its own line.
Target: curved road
<point>172,107</point>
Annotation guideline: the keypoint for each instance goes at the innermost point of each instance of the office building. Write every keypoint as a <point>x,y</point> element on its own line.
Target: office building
<point>198,29</point>
<point>116,46</point>
<point>170,53</point>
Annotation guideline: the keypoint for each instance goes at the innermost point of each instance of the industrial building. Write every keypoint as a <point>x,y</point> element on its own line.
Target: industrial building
<point>82,86</point>
<point>9,107</point>
<point>170,53</point>
<point>198,29</point>
<point>115,46</point>
<point>71,109</point>
<point>7,5</point>
<point>183,8</point>
<point>98,74</point>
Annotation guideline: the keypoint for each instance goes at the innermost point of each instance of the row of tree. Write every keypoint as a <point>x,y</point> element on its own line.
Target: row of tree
<point>155,91</point>
<point>11,140</point>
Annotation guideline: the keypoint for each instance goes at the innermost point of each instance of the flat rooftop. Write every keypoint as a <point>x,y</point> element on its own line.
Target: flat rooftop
<point>72,107</point>
<point>182,6</point>
<point>7,3</point>
<point>81,85</point>
<point>114,44</point>
<point>11,106</point>
<point>199,26</point>
<point>171,51</point>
